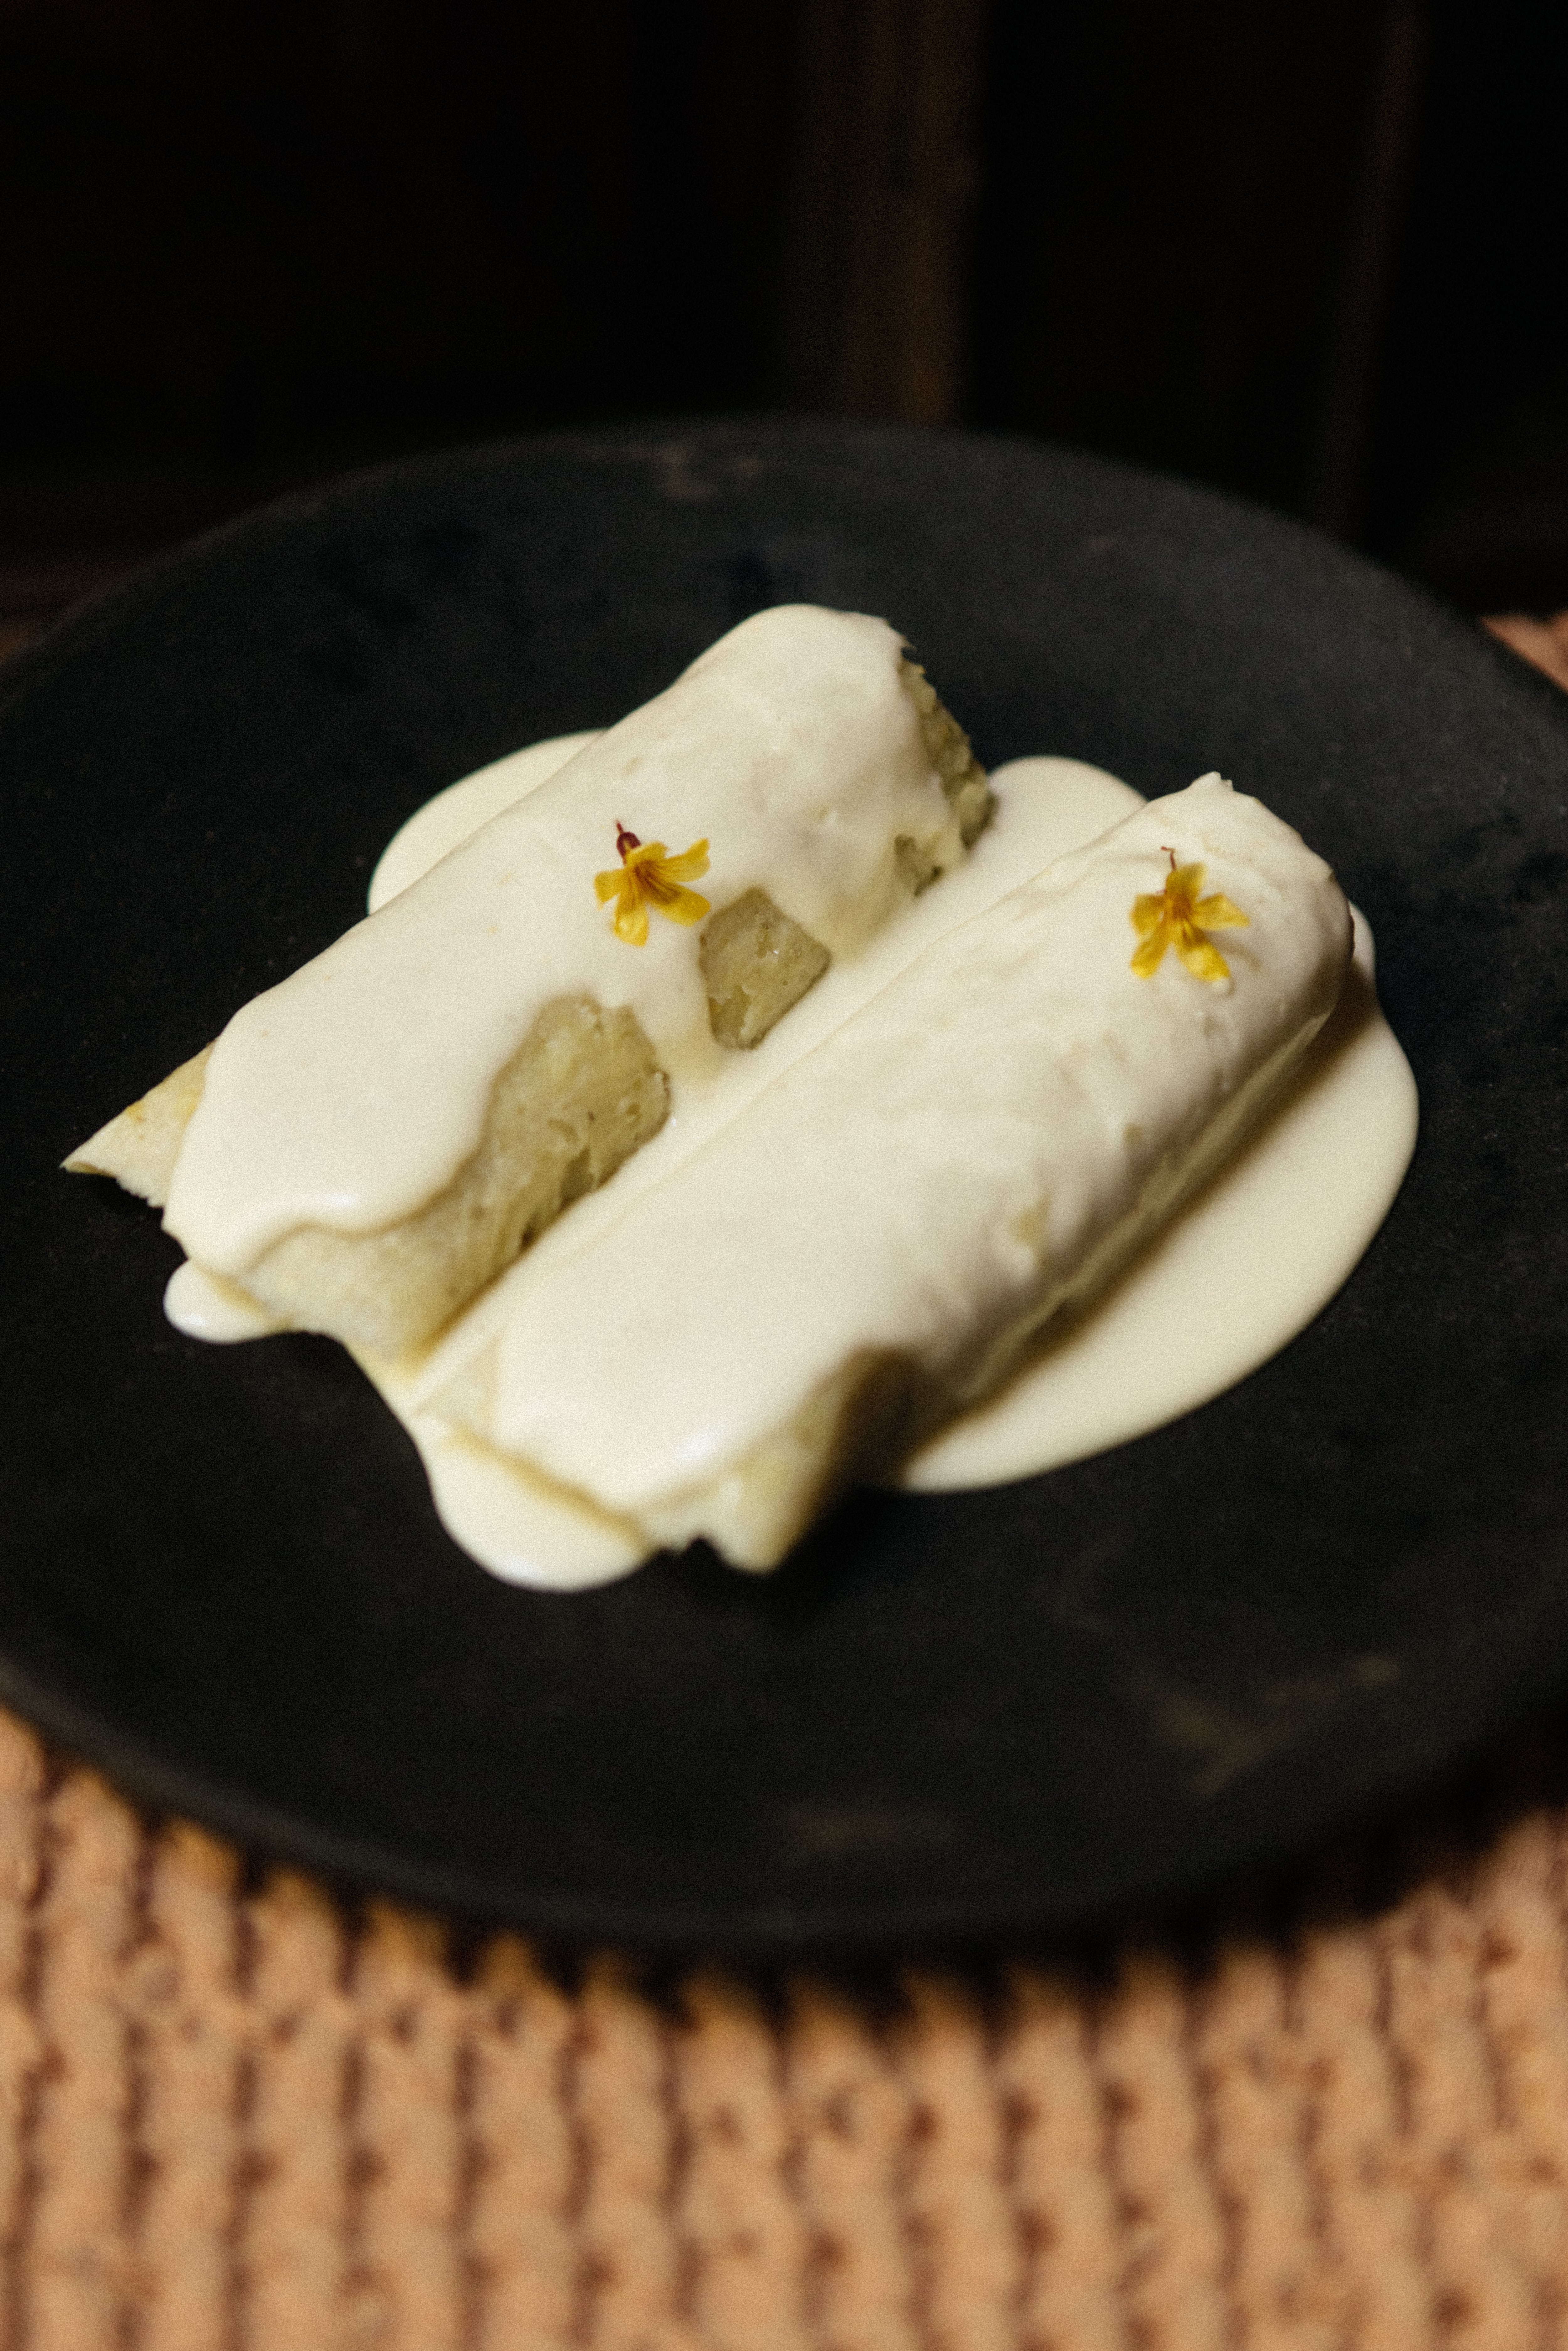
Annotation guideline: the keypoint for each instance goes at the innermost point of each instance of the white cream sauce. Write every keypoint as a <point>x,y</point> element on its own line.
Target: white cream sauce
<point>1001,1126</point>
<point>351,1093</point>
<point>1240,1271</point>
<point>1215,1296</point>
<point>453,816</point>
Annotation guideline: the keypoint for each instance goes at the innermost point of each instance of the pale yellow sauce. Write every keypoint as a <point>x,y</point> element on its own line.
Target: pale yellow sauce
<point>1242,1270</point>
<point>351,1095</point>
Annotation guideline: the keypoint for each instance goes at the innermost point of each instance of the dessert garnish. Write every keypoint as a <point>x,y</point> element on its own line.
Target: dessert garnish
<point>375,1137</point>
<point>649,876</point>
<point>872,1244</point>
<point>1178,917</point>
<point>797,1289</point>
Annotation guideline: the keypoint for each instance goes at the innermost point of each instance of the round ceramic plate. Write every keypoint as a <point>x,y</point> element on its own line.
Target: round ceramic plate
<point>970,1715</point>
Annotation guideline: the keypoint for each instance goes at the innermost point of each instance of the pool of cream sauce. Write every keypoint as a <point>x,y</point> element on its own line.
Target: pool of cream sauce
<point>1218,1293</point>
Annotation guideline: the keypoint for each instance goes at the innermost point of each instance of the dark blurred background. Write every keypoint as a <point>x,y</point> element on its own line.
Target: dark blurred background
<point>1311,250</point>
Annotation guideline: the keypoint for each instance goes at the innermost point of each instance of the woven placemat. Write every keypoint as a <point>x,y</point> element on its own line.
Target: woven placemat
<point>1545,642</point>
<point>236,2117</point>
<point>233,2114</point>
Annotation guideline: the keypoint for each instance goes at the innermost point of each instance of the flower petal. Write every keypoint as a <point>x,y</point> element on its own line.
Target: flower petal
<point>1202,959</point>
<point>1217,914</point>
<point>1147,959</point>
<point>681,905</point>
<point>1148,912</point>
<point>689,866</point>
<point>632,918</point>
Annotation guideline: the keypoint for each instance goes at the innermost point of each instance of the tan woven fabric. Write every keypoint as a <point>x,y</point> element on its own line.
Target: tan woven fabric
<point>232,2119</point>
<point>1545,642</point>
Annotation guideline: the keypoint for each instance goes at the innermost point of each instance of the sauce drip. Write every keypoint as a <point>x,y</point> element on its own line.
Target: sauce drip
<point>1213,1298</point>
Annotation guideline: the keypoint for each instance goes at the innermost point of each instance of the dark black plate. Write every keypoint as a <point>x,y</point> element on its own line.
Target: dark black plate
<point>969,1715</point>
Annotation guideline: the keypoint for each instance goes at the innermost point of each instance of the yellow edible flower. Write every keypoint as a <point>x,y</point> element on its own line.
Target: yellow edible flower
<point>1178,917</point>
<point>647,876</point>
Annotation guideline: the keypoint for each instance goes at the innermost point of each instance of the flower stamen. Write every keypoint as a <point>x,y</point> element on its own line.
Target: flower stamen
<point>1178,917</point>
<point>649,876</point>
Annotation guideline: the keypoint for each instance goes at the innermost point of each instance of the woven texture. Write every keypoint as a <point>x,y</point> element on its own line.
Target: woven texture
<point>1545,642</point>
<point>231,2116</point>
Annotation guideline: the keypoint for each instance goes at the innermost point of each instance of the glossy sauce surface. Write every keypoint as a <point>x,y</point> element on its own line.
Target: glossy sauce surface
<point>349,1095</point>
<point>1238,1273</point>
